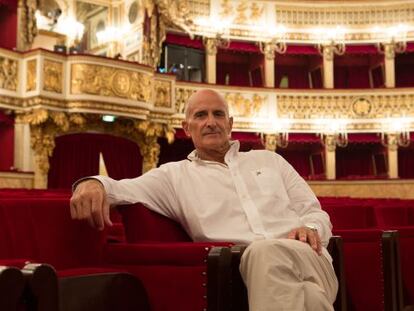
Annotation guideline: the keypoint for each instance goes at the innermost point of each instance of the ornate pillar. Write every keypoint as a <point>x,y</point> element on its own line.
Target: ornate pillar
<point>389,59</point>
<point>150,151</point>
<point>392,155</point>
<point>330,161</point>
<point>43,144</point>
<point>328,66</point>
<point>269,65</point>
<point>23,156</point>
<point>270,142</point>
<point>211,52</point>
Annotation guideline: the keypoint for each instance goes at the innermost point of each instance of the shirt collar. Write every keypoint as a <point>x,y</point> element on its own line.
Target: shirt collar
<point>231,153</point>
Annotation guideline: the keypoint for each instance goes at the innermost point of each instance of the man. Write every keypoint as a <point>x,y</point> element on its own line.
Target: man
<point>221,194</point>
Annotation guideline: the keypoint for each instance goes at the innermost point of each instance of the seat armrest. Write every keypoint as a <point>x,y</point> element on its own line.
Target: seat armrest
<point>177,254</point>
<point>93,292</point>
<point>218,279</point>
<point>335,249</point>
<point>11,288</point>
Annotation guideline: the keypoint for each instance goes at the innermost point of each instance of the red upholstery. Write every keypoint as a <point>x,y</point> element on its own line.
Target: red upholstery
<point>173,269</point>
<point>350,216</point>
<point>363,269</point>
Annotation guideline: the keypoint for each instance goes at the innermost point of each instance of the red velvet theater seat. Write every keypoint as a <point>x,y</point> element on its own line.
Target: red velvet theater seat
<point>400,217</point>
<point>370,269</point>
<point>158,240</point>
<point>176,275</point>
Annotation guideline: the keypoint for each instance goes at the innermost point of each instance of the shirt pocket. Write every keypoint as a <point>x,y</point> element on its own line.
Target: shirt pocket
<point>268,181</point>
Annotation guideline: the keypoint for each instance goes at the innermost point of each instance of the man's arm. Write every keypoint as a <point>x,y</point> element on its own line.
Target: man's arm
<point>316,229</point>
<point>92,198</point>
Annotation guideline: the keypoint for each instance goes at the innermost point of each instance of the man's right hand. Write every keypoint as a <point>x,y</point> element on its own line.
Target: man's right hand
<point>89,202</point>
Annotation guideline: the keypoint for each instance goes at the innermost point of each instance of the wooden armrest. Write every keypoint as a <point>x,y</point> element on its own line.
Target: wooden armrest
<point>94,292</point>
<point>11,288</point>
<point>335,249</point>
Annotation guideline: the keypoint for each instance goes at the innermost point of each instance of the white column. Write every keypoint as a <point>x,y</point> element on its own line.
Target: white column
<point>392,156</point>
<point>211,52</point>
<point>23,154</point>
<point>269,66</point>
<point>389,59</point>
<point>330,160</point>
<point>328,67</point>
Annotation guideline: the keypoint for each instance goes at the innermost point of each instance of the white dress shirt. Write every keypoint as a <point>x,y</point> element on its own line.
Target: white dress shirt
<point>257,195</point>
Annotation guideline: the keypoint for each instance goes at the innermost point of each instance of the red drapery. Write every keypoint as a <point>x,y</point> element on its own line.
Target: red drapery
<point>8,22</point>
<point>357,160</point>
<point>6,142</point>
<point>241,68</point>
<point>77,155</point>
<point>305,153</point>
<point>184,41</point>
<point>406,160</point>
<point>351,77</point>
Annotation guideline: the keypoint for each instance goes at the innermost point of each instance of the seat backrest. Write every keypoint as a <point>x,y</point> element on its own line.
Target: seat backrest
<point>390,215</point>
<point>41,229</point>
<point>351,216</point>
<point>369,270</point>
<point>144,225</point>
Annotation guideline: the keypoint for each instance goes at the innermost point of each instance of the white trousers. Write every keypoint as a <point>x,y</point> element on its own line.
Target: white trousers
<point>287,275</point>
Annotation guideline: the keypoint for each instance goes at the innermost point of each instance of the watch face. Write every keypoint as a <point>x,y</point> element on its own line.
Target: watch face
<point>133,13</point>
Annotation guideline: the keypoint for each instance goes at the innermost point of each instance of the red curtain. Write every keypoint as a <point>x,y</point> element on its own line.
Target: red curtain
<point>8,22</point>
<point>406,160</point>
<point>297,76</point>
<point>239,68</point>
<point>77,155</point>
<point>6,142</point>
<point>184,41</point>
<point>351,77</point>
<point>404,68</point>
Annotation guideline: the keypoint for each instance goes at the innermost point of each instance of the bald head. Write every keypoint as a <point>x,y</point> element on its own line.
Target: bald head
<point>201,95</point>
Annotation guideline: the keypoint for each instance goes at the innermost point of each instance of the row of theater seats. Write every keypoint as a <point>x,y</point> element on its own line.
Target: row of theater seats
<point>378,240</point>
<point>177,274</point>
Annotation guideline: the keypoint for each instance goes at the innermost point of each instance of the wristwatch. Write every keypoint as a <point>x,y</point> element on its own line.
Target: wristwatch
<point>313,228</point>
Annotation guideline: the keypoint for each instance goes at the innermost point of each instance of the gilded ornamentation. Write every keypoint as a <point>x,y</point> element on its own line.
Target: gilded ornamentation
<point>53,76</point>
<point>361,107</point>
<point>271,142</point>
<point>211,46</point>
<point>226,9</point>
<point>330,143</point>
<point>27,23</point>
<point>245,107</point>
<point>269,51</point>
<point>109,81</point>
<point>241,9</point>
<point>31,75</point>
<point>392,142</point>
<point>256,12</point>
<point>8,74</point>
<point>181,97</point>
<point>162,94</point>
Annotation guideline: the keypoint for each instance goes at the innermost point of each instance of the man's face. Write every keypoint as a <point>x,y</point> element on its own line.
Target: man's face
<point>208,123</point>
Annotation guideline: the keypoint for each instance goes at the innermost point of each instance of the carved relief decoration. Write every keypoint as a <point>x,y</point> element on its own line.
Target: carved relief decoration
<point>53,76</point>
<point>242,12</point>
<point>162,90</point>
<point>361,107</point>
<point>370,106</point>
<point>242,106</point>
<point>45,125</point>
<point>31,75</point>
<point>8,74</point>
<point>109,81</point>
<point>27,21</point>
<point>181,97</point>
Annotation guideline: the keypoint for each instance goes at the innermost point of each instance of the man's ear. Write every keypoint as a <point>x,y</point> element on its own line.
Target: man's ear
<point>184,124</point>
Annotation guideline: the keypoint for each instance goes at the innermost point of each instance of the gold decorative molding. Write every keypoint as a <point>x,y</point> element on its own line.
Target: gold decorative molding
<point>53,76</point>
<point>163,96</point>
<point>242,106</point>
<point>181,97</point>
<point>8,74</point>
<point>109,81</point>
<point>31,75</point>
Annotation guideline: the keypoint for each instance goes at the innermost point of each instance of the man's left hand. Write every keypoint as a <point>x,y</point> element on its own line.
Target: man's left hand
<point>307,235</point>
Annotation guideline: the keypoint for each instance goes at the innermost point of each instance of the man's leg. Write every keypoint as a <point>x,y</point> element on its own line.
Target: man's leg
<point>287,275</point>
